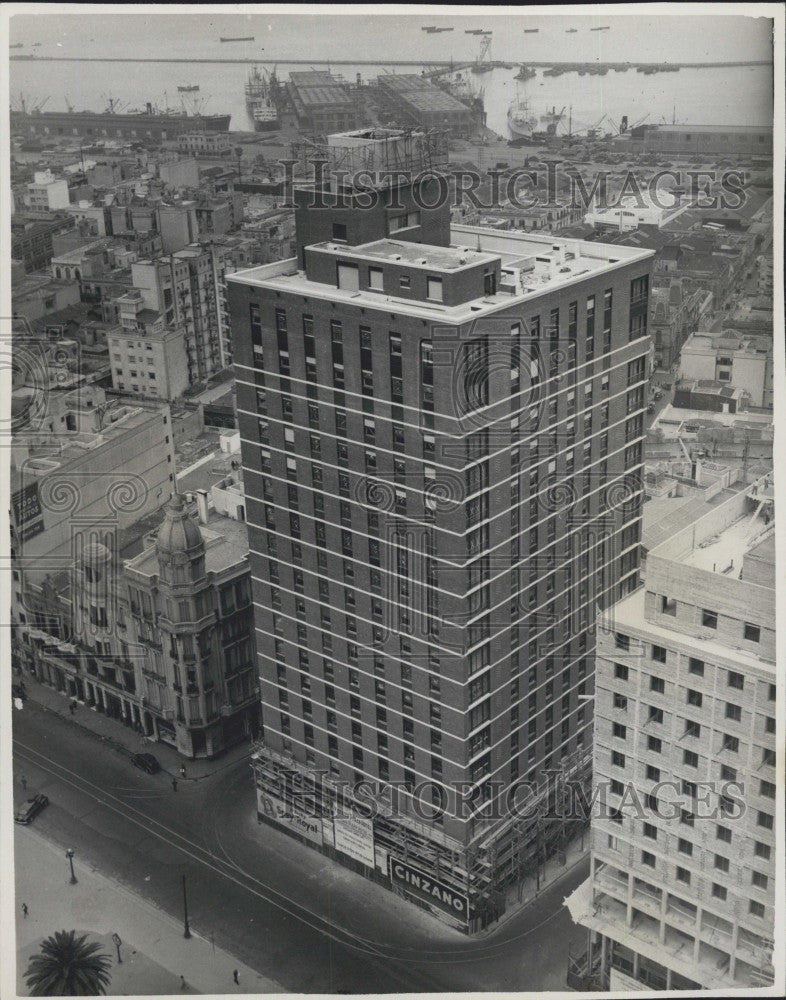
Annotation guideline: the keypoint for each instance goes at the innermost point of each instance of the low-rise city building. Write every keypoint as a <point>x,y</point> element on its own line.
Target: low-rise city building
<point>741,361</point>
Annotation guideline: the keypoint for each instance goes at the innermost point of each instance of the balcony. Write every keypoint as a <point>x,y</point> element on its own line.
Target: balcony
<point>152,643</point>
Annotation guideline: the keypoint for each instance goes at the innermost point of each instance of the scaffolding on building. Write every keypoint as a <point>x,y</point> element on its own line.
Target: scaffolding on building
<point>376,155</point>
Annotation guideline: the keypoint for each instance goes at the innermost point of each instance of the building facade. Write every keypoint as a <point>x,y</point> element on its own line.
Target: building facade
<point>163,642</point>
<point>190,618</point>
<point>681,890</point>
<point>751,140</point>
<point>441,433</point>
<point>148,356</point>
<point>740,361</point>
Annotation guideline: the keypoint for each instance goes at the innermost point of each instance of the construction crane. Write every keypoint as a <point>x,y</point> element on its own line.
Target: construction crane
<point>68,104</point>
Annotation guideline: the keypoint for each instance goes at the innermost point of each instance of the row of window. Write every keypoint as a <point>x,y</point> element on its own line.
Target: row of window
<point>695,666</point>
<point>709,619</point>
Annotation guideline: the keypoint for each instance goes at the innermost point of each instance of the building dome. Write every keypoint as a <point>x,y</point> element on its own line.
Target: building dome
<point>179,532</point>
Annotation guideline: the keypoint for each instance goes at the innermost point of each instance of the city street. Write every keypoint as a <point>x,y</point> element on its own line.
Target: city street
<point>282,909</point>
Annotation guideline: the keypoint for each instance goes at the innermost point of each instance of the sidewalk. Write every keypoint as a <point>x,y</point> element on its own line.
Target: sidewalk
<point>154,952</point>
<point>126,740</point>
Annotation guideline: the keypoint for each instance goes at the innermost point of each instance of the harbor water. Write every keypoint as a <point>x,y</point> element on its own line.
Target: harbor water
<point>727,95</point>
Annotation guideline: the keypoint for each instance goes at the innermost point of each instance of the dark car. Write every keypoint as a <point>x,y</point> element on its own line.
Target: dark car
<point>147,762</point>
<point>30,809</point>
<point>651,408</point>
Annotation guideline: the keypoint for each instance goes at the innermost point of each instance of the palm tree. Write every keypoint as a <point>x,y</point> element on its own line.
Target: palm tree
<point>68,966</point>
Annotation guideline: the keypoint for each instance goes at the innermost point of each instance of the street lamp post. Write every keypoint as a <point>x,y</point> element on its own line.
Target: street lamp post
<point>70,856</point>
<point>117,942</point>
<point>186,928</point>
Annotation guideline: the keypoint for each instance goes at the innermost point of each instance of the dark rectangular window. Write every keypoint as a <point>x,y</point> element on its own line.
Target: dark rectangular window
<point>752,632</point>
<point>255,316</point>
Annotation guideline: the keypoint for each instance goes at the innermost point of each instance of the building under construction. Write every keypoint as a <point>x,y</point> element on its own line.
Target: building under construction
<point>414,100</point>
<point>371,156</point>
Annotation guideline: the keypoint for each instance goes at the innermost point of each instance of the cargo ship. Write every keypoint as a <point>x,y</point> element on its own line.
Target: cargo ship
<point>259,100</point>
<point>242,38</point>
<point>148,124</point>
<point>521,119</point>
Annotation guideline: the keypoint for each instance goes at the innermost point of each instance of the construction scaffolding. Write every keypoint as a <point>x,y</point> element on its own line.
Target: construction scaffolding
<point>375,155</point>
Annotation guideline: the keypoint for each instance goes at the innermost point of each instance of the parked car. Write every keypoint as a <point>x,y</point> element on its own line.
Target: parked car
<point>657,394</point>
<point>27,812</point>
<point>651,408</point>
<point>147,762</point>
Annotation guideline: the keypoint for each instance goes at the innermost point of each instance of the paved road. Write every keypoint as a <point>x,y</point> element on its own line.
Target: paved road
<point>281,908</point>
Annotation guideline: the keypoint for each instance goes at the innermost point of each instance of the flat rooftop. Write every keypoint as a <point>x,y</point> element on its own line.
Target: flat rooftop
<point>542,269</point>
<point>629,618</point>
<point>414,254</point>
<point>720,541</point>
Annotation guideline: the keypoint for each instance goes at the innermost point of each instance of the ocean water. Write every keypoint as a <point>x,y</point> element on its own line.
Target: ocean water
<point>718,96</point>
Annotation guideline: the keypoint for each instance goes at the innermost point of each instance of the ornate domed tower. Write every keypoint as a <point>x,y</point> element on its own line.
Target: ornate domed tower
<point>180,547</point>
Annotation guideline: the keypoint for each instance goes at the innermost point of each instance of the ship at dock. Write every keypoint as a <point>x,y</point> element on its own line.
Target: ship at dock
<point>521,119</point>
<point>260,103</point>
<point>150,123</point>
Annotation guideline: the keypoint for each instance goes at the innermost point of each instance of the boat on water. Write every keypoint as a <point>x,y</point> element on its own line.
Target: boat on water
<point>191,88</point>
<point>522,121</point>
<point>259,100</point>
<point>265,119</point>
<point>525,73</point>
<point>17,45</point>
<point>242,38</point>
<point>550,120</point>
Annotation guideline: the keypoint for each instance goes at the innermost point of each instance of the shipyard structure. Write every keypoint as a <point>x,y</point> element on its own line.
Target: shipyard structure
<point>442,446</point>
<point>115,125</point>
<point>413,100</point>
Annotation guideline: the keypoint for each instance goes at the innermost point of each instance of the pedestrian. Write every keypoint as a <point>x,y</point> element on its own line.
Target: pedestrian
<point>174,784</point>
<point>182,982</point>
<point>182,771</point>
<point>71,707</point>
<point>24,910</point>
<point>24,783</point>
<point>236,978</point>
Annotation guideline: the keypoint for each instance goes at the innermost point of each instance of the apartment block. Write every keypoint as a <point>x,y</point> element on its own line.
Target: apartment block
<point>442,445</point>
<point>682,883</point>
<point>46,193</point>
<point>147,355</point>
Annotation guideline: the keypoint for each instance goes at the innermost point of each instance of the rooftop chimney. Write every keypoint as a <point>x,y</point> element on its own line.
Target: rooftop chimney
<point>201,499</point>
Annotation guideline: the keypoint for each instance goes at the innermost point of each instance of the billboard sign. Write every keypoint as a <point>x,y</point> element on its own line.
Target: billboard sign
<point>354,837</point>
<point>27,505</point>
<point>290,816</point>
<point>431,890</point>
